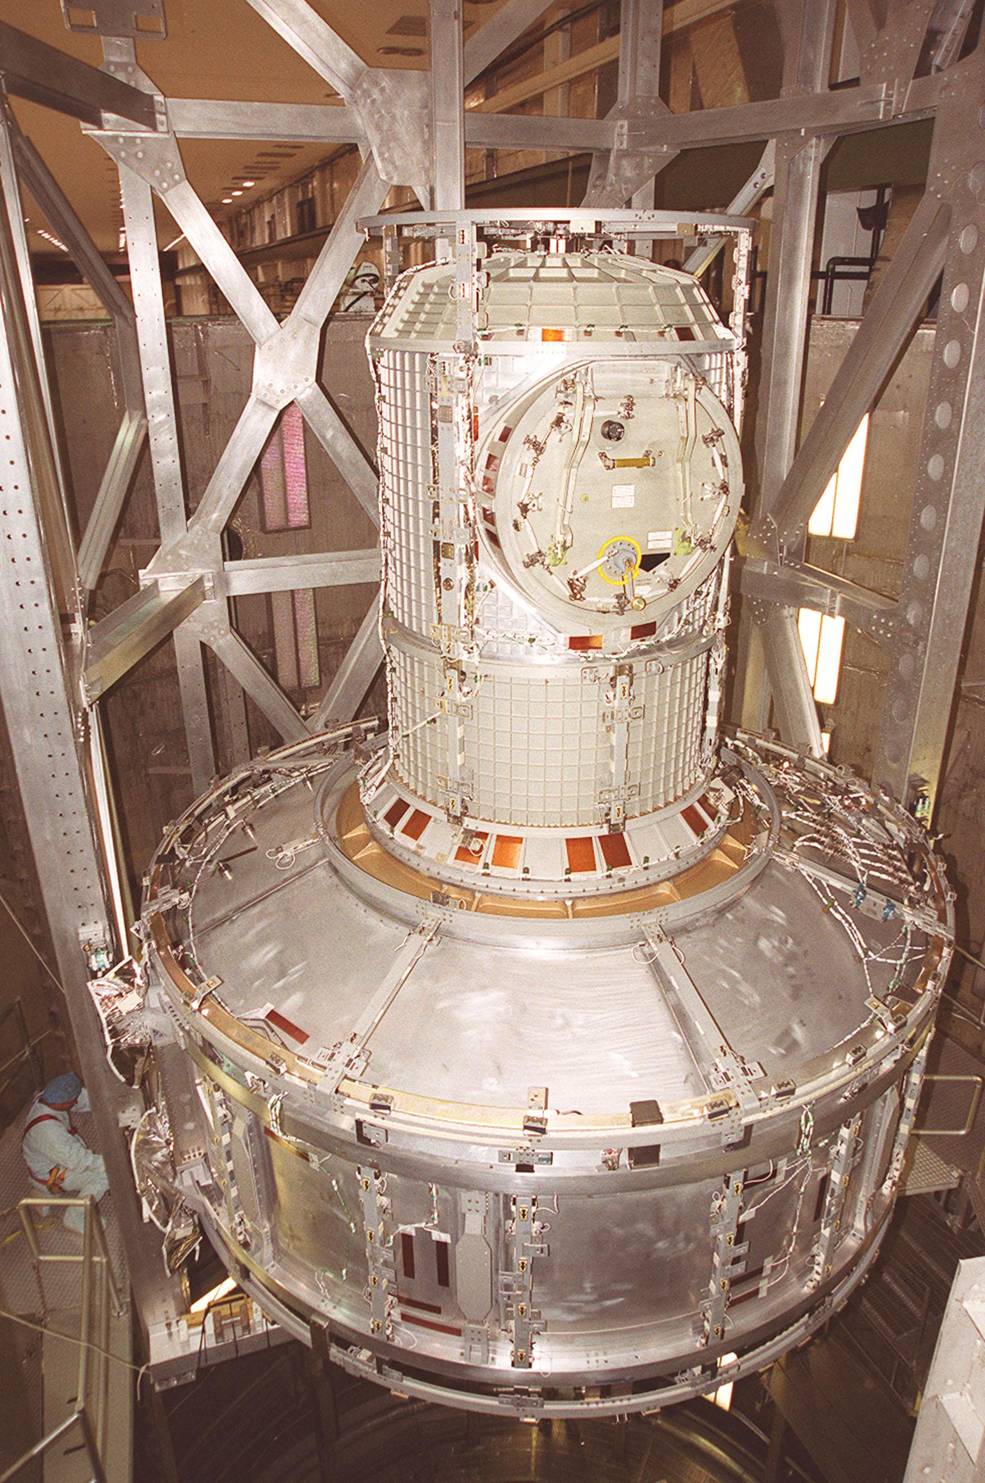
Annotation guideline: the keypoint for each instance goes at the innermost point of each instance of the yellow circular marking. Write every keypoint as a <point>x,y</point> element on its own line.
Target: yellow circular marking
<point>615,541</point>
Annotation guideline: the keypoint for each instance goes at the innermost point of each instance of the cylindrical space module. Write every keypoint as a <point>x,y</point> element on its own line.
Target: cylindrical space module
<point>545,1052</point>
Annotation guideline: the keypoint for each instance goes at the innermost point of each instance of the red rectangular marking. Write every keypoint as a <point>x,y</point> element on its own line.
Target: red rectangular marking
<point>643,631</point>
<point>507,851</point>
<point>416,824</point>
<point>407,1254</point>
<point>396,812</point>
<point>705,802</point>
<point>581,641</point>
<point>615,850</point>
<point>695,820</point>
<point>281,1022</point>
<point>581,855</point>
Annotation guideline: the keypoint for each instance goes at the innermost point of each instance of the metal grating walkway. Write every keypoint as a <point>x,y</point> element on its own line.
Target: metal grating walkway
<point>18,1281</point>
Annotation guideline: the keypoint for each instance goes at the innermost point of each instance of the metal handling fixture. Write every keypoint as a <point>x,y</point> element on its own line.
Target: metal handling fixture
<point>545,1052</point>
<point>412,130</point>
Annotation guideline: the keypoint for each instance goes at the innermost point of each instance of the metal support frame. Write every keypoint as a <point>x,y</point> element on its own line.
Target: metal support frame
<point>132,630</point>
<point>797,174</point>
<point>625,173</point>
<point>949,1440</point>
<point>447,113</point>
<point>924,629</point>
<point>32,69</point>
<point>45,722</point>
<point>412,133</point>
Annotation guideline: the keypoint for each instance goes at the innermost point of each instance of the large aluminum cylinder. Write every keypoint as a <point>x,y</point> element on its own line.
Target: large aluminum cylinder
<point>580,555</point>
<point>546,1053</point>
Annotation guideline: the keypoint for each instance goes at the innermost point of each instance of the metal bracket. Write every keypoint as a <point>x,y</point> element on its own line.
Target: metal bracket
<point>379,1250</point>
<point>144,20</point>
<point>516,1285</point>
<point>727,1255</point>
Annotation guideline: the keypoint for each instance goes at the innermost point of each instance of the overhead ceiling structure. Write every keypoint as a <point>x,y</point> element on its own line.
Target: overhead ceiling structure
<point>219,50</point>
<point>411,129</point>
<point>226,50</point>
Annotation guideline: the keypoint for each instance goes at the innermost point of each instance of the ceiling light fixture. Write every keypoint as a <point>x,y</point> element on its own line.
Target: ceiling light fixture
<point>247,183</point>
<point>227,200</point>
<point>48,237</point>
<point>235,193</point>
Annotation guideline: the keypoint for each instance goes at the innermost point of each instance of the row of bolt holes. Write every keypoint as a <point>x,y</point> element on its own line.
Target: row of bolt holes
<point>15,488</point>
<point>943,414</point>
<point>5,514</point>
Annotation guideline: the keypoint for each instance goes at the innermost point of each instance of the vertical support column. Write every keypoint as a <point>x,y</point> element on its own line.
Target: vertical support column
<point>777,1448</point>
<point>447,106</point>
<point>35,683</point>
<point>321,1374</point>
<point>234,719</point>
<point>949,1440</point>
<point>51,488</point>
<point>795,194</point>
<point>797,173</point>
<point>15,210</point>
<point>557,50</point>
<point>949,496</point>
<point>640,36</point>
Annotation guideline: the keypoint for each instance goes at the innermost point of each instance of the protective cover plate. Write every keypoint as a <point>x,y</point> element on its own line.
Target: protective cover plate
<point>615,489</point>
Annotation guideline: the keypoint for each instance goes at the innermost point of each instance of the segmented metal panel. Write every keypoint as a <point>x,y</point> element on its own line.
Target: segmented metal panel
<point>587,293</point>
<point>537,742</point>
<point>405,493</point>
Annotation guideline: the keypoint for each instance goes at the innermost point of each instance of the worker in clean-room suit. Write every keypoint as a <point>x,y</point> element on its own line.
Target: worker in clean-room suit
<point>56,1156</point>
